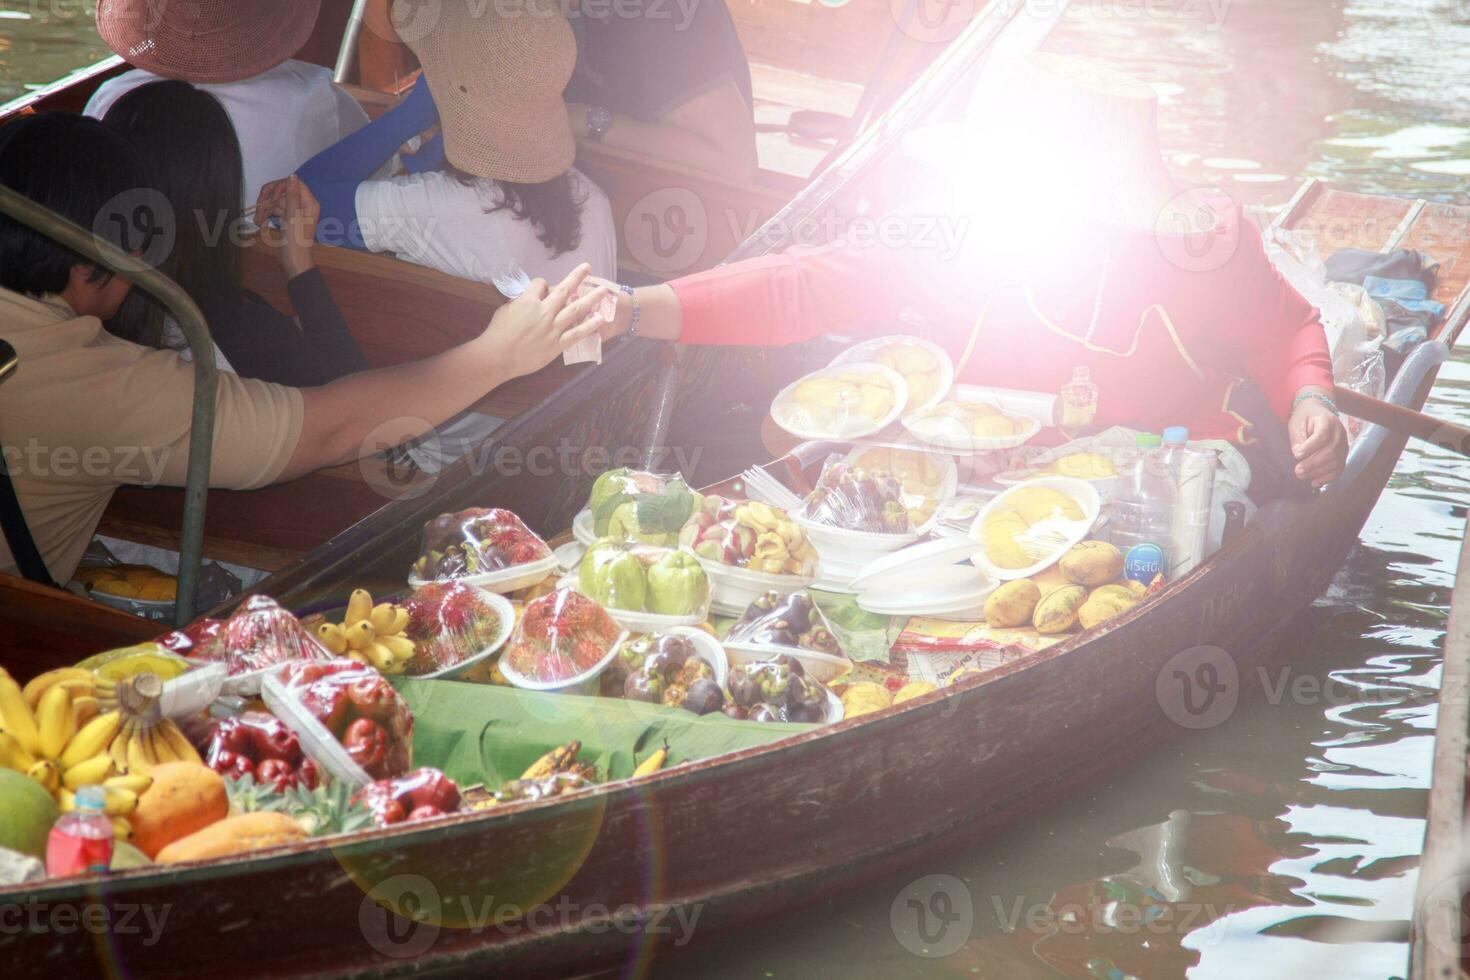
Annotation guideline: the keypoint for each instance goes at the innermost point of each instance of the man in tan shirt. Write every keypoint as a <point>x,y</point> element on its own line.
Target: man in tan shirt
<point>86,412</point>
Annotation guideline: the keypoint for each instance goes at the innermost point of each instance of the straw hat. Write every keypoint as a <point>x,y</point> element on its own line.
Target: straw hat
<point>497,77</point>
<point>206,41</point>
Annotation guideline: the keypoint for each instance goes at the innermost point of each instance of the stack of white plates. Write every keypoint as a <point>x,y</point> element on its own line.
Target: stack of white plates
<point>929,579</point>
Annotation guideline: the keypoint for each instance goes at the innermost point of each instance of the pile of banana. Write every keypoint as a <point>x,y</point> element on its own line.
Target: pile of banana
<point>69,728</point>
<point>370,634</point>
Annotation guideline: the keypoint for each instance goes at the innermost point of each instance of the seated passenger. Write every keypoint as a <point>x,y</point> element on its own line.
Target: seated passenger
<point>240,51</point>
<point>188,146</point>
<point>87,412</point>
<point>664,80</point>
<point>504,196</point>
<point>1177,313</point>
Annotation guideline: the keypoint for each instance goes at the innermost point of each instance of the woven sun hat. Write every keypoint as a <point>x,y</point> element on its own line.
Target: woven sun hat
<point>497,72</point>
<point>206,41</point>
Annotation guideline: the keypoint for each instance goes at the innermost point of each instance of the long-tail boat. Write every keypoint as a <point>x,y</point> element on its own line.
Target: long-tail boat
<point>715,843</point>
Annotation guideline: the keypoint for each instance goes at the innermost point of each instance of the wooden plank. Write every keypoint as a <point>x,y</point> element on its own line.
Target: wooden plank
<point>1441,888</point>
<point>1442,231</point>
<point>1342,219</point>
<point>42,628</point>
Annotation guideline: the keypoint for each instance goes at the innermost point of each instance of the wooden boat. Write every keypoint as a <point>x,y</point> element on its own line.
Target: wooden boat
<point>613,867</point>
<point>849,61</point>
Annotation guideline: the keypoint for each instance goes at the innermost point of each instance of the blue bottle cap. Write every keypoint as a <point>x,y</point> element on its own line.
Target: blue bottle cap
<point>92,798</point>
<point>1176,435</point>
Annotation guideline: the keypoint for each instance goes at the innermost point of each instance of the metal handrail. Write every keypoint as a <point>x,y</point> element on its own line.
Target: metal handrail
<point>196,332</point>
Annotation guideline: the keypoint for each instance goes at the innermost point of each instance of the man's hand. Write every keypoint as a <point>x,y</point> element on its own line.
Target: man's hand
<point>296,211</point>
<point>1318,441</point>
<point>536,327</point>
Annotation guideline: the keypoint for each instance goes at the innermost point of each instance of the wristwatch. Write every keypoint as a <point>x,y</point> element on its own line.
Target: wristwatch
<point>598,121</point>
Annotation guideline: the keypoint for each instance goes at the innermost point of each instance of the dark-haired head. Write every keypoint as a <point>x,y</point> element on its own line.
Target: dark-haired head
<point>77,168</point>
<point>192,156</point>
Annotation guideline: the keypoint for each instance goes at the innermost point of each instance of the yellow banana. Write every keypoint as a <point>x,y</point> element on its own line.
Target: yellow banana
<point>55,722</point>
<point>120,802</point>
<point>121,829</point>
<point>93,738</point>
<point>15,715</point>
<point>44,772</point>
<point>359,635</point>
<point>401,647</point>
<point>136,748</point>
<point>359,607</point>
<point>89,773</point>
<point>162,750</point>
<point>379,656</point>
<point>653,763</point>
<point>170,733</point>
<point>85,707</point>
<point>332,637</point>
<point>555,761</point>
<point>66,800</point>
<point>400,620</point>
<point>40,685</point>
<point>13,755</point>
<point>138,782</point>
<point>117,750</point>
<point>382,618</point>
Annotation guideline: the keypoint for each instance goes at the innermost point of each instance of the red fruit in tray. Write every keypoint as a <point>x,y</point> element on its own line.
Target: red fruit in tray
<point>239,766</point>
<point>262,634</point>
<point>273,740</point>
<point>234,736</point>
<point>307,775</point>
<point>372,697</point>
<point>366,742</point>
<point>328,703</point>
<point>378,798</point>
<point>276,772</point>
<point>429,787</point>
<point>425,812</point>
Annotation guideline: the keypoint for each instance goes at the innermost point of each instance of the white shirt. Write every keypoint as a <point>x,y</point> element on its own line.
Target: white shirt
<point>282,118</point>
<point>437,220</point>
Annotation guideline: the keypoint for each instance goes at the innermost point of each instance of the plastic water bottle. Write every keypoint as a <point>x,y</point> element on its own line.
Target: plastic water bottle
<point>81,841</point>
<point>1193,473</point>
<point>1143,512</point>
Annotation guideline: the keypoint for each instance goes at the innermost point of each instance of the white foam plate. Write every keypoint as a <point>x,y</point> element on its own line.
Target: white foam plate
<point>864,352</point>
<point>950,434</point>
<point>800,423</point>
<point>583,683</point>
<point>569,555</point>
<point>852,547</point>
<point>582,528</point>
<point>637,621</point>
<point>505,580</point>
<point>734,589</point>
<point>821,666</point>
<point>912,564</point>
<point>1080,490</point>
<point>952,588</point>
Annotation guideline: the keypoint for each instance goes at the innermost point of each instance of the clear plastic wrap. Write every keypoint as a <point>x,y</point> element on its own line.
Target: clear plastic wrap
<point>844,401</point>
<point>192,638</point>
<point>779,689</point>
<point>793,622</point>
<point>1032,524</point>
<point>637,505</point>
<point>477,542</point>
<point>928,479</point>
<point>259,745</point>
<point>749,534</point>
<point>260,635</point>
<point>622,575</point>
<point>925,367</point>
<point>451,623</point>
<point>420,795</point>
<point>674,669</point>
<point>855,498</point>
<point>356,706</point>
<point>561,637</point>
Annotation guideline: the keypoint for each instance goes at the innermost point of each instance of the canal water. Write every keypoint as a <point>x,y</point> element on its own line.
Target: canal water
<point>1284,842</point>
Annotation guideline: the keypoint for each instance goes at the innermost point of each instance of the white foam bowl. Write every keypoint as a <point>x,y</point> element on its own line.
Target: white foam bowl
<point>822,667</point>
<point>584,683</point>
<point>504,581</point>
<point>637,621</point>
<point>942,590</point>
<point>852,547</point>
<point>800,422</point>
<point>1079,490</point>
<point>734,589</point>
<point>863,354</point>
<point>707,647</point>
<point>507,614</point>
<point>583,529</point>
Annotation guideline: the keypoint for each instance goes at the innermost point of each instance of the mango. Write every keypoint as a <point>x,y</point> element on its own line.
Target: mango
<point>1103,604</point>
<point>1057,610</point>
<point>1050,578</point>
<point>1092,563</point>
<point>913,690</point>
<point>1012,604</point>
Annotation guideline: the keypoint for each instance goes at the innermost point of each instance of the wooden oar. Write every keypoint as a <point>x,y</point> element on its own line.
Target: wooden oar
<point>1406,421</point>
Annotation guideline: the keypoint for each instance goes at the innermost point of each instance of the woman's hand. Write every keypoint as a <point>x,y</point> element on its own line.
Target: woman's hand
<point>296,212</point>
<point>536,327</point>
<point>1318,441</point>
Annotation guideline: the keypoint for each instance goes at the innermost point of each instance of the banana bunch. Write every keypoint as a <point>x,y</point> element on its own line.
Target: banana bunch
<point>68,729</point>
<point>370,634</point>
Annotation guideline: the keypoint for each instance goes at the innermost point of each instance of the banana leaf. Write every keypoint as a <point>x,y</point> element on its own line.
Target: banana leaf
<point>484,733</point>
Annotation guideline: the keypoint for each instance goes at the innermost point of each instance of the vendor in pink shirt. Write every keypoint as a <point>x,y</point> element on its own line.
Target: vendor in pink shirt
<point>1168,300</point>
